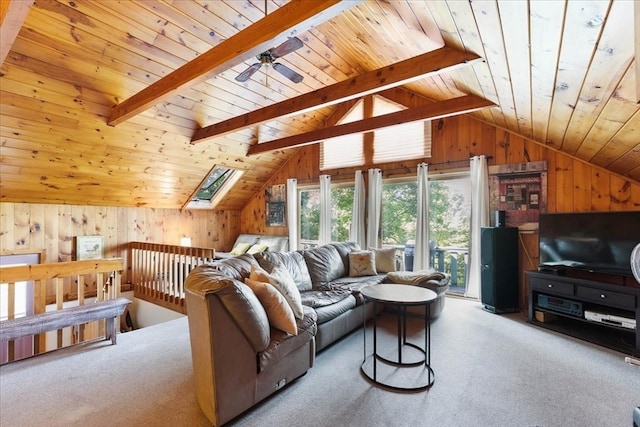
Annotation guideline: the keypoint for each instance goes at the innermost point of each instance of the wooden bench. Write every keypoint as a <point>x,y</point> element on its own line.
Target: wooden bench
<point>53,320</point>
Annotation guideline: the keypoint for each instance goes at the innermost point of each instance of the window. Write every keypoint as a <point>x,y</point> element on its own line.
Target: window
<point>309,211</point>
<point>218,183</point>
<point>213,183</point>
<point>449,221</point>
<point>23,301</point>
<point>399,212</point>
<point>351,150</point>
<point>345,150</point>
<point>450,211</point>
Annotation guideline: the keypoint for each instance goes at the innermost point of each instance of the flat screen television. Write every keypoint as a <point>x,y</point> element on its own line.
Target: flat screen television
<point>599,242</point>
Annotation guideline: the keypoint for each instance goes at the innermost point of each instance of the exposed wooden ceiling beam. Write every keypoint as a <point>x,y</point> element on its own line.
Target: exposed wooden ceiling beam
<point>12,16</point>
<point>373,81</point>
<point>294,17</point>
<point>450,107</point>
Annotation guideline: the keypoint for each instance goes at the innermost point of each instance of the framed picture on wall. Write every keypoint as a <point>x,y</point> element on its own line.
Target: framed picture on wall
<point>89,247</point>
<point>275,197</point>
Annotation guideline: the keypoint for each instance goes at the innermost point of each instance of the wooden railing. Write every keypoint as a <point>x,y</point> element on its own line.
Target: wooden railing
<point>41,277</point>
<point>158,272</point>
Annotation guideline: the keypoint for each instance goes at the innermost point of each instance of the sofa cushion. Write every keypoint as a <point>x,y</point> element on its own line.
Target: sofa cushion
<point>293,261</point>
<point>344,249</point>
<point>282,343</point>
<point>278,311</point>
<point>354,284</point>
<point>362,263</point>
<point>237,267</point>
<point>324,264</point>
<point>320,297</point>
<point>331,311</point>
<point>275,243</point>
<point>283,282</point>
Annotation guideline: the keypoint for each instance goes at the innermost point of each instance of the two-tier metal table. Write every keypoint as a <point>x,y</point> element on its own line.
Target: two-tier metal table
<point>406,368</point>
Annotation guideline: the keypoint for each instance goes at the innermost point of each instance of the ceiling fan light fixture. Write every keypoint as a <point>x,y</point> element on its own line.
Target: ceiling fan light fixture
<point>268,57</point>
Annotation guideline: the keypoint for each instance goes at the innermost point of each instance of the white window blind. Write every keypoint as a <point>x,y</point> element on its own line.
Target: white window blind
<point>393,143</point>
<point>344,150</point>
<point>402,142</point>
<point>341,152</point>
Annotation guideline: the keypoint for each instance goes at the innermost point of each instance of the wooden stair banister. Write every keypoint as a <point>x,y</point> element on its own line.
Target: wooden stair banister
<point>158,271</point>
<point>58,275</point>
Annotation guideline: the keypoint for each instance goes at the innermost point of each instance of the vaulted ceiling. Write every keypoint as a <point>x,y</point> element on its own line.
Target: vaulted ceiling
<point>131,103</point>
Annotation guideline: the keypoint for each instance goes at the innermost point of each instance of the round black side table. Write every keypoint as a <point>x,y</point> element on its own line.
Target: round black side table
<point>375,365</point>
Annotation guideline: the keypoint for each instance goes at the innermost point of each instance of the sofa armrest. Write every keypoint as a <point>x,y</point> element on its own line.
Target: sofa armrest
<point>225,380</point>
<point>237,299</point>
<point>434,280</point>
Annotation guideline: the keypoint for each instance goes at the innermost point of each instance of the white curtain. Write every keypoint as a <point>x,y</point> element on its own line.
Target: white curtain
<point>324,236</point>
<point>357,231</point>
<point>374,207</point>
<point>479,219</point>
<point>292,212</point>
<point>421,251</point>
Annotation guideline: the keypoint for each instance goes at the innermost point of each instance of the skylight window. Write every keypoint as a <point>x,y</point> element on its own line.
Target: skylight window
<point>217,184</point>
<point>214,182</point>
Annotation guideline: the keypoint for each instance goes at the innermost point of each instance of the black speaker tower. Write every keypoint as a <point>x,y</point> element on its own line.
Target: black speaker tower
<point>499,269</point>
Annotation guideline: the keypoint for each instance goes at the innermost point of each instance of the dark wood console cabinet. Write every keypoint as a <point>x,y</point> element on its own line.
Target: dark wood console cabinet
<point>561,301</point>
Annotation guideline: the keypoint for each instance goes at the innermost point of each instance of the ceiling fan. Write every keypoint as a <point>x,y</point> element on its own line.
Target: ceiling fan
<point>268,58</point>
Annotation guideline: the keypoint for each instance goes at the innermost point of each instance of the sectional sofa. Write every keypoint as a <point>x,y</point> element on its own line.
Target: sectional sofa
<point>256,321</point>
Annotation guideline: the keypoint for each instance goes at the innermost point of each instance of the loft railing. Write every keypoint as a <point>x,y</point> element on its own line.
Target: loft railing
<point>158,272</point>
<point>27,289</point>
<point>452,260</point>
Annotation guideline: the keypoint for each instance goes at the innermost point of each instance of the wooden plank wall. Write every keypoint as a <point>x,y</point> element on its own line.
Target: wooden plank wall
<point>573,185</point>
<point>34,227</point>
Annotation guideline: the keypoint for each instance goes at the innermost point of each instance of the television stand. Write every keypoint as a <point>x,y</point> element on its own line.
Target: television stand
<point>601,313</point>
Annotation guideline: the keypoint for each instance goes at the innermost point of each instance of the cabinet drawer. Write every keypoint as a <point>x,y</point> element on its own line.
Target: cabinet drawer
<point>551,286</point>
<point>600,296</point>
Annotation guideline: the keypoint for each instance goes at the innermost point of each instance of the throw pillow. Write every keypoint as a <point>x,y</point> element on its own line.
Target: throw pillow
<point>278,310</point>
<point>258,273</point>
<point>362,263</point>
<point>385,259</point>
<point>240,248</point>
<point>257,248</point>
<point>281,279</point>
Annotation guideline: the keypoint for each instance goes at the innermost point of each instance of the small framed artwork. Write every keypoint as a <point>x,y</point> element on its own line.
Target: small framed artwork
<point>534,200</point>
<point>276,214</point>
<point>89,247</point>
<point>275,197</point>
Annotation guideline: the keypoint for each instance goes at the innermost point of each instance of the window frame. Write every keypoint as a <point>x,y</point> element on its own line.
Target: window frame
<point>310,243</point>
<point>220,193</point>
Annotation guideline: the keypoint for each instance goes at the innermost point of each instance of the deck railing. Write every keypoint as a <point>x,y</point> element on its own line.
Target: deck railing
<point>158,271</point>
<point>38,281</point>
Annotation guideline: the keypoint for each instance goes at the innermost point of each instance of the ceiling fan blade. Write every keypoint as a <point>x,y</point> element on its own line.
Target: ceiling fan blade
<point>286,47</point>
<point>288,72</point>
<point>246,74</point>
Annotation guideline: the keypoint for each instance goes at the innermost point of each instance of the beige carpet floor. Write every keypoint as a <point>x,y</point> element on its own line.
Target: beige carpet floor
<point>491,370</point>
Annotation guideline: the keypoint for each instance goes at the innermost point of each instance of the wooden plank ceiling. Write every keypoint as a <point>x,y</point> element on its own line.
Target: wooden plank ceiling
<point>131,103</point>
